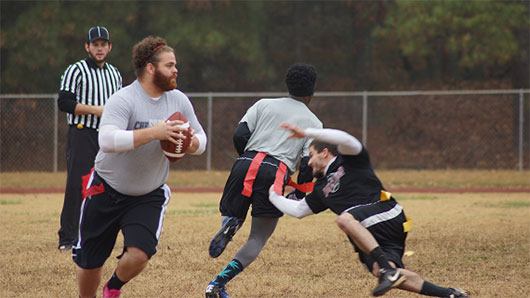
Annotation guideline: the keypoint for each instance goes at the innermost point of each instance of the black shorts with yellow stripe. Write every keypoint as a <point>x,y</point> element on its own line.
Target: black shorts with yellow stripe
<point>386,221</point>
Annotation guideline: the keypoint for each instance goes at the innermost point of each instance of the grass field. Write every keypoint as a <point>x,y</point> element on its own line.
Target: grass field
<point>390,178</point>
<point>476,241</point>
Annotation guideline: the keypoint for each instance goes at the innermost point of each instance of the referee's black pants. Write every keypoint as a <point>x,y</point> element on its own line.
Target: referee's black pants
<point>81,150</point>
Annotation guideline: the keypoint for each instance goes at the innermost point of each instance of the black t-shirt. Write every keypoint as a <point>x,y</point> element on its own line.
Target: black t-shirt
<point>349,181</point>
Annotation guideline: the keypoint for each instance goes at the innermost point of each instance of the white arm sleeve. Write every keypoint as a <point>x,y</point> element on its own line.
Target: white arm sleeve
<point>201,137</point>
<point>113,139</point>
<point>298,209</point>
<point>346,143</point>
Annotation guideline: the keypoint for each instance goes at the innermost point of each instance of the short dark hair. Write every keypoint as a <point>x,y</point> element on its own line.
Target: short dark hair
<point>319,146</point>
<point>147,51</point>
<point>301,79</point>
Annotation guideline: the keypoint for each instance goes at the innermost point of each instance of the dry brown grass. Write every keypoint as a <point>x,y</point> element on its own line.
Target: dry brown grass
<point>390,178</point>
<point>480,242</point>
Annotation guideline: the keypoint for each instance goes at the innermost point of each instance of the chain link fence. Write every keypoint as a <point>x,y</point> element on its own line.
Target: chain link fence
<point>478,129</point>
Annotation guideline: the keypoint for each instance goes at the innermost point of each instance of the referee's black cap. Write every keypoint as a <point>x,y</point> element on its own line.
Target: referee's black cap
<point>98,32</point>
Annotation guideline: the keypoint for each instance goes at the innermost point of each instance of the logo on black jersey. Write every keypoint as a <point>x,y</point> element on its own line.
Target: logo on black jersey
<point>333,181</point>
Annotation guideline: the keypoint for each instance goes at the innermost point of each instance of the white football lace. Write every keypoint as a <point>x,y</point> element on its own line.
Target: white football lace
<point>180,143</point>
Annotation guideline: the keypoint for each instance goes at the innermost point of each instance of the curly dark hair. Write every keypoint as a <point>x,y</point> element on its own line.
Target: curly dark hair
<point>147,51</point>
<point>301,79</point>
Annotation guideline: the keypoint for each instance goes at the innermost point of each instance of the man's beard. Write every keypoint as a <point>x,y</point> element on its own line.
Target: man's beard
<point>164,83</point>
<point>95,59</point>
<point>318,174</point>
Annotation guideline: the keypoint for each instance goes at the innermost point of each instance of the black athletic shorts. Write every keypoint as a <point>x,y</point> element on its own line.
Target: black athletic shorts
<point>105,212</point>
<point>237,198</point>
<point>385,221</point>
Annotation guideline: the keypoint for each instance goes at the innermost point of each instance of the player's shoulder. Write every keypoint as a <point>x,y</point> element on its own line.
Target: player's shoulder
<point>268,100</point>
<point>265,102</point>
<point>177,94</point>
<point>309,118</point>
<point>118,97</point>
<point>122,98</point>
<point>125,91</point>
<point>317,122</point>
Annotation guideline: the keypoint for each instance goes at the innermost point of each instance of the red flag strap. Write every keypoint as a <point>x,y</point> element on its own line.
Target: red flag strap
<point>252,173</point>
<point>306,187</point>
<point>92,190</point>
<point>278,182</point>
<point>280,178</point>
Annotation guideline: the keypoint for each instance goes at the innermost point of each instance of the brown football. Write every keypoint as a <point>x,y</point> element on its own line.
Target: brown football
<point>176,151</point>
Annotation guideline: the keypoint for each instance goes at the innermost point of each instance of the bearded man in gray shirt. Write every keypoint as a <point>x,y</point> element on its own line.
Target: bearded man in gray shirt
<point>126,190</point>
<point>267,157</point>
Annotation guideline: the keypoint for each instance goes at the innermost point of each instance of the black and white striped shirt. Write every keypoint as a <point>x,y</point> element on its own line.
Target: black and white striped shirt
<point>84,82</point>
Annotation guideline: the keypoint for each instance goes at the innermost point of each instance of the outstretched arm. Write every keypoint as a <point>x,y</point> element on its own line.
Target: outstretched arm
<point>346,143</point>
<point>298,209</point>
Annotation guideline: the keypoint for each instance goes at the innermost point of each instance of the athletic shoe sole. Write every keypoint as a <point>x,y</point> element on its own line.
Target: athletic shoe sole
<point>221,239</point>
<point>392,284</point>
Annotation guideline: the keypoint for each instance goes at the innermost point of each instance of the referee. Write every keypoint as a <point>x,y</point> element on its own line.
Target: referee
<point>85,87</point>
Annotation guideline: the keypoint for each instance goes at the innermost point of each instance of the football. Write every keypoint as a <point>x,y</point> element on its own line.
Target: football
<point>176,151</point>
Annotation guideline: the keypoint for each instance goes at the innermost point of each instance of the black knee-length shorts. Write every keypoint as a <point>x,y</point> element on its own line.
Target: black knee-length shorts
<point>106,212</point>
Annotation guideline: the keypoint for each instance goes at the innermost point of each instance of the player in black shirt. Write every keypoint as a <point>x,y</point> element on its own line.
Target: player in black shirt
<point>375,223</point>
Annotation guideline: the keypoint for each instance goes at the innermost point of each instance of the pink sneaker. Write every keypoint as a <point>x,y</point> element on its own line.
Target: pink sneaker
<point>110,293</point>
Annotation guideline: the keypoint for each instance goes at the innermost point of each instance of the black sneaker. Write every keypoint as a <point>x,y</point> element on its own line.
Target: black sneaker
<point>215,291</point>
<point>458,293</point>
<point>221,239</point>
<point>389,278</point>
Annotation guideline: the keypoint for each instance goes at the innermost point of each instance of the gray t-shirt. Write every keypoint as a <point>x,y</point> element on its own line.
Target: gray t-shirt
<point>263,120</point>
<point>145,168</point>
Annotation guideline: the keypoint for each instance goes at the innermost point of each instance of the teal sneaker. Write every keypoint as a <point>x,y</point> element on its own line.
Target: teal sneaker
<point>216,291</point>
